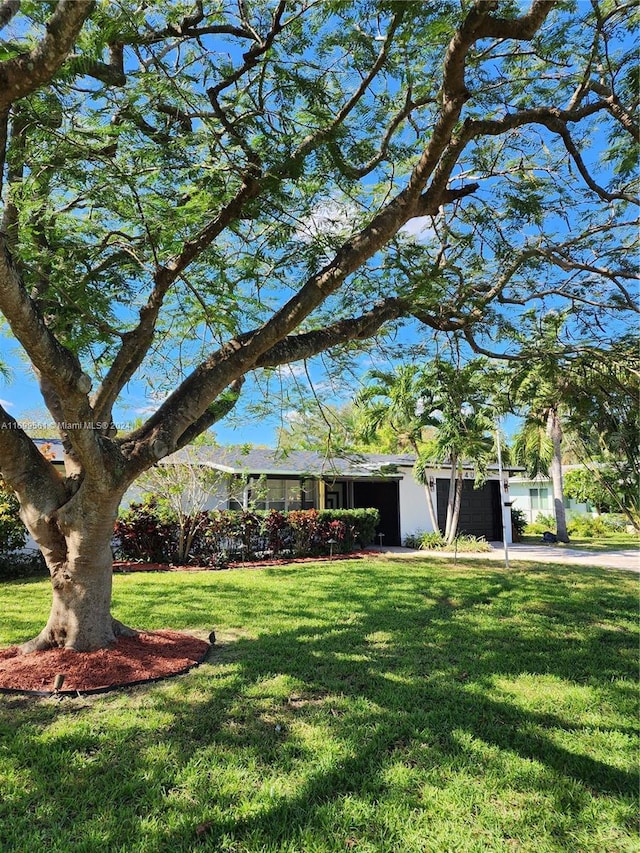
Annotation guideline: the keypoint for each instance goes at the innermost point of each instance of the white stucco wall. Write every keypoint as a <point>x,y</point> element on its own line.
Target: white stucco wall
<point>519,490</point>
<point>414,515</point>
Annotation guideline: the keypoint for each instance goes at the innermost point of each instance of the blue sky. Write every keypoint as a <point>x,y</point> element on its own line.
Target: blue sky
<point>21,397</point>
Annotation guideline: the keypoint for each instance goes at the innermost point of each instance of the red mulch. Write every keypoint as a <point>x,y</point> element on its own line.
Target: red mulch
<point>129,566</point>
<point>149,656</point>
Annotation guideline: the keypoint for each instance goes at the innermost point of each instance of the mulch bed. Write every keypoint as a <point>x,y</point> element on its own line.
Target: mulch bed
<point>150,656</point>
<point>131,566</point>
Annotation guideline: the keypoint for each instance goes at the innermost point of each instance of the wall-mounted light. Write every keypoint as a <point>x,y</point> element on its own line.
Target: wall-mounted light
<point>432,483</point>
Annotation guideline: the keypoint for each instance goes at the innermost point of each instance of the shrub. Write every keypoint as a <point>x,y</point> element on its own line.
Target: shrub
<point>518,523</point>
<point>144,532</point>
<point>306,532</point>
<point>140,534</point>
<point>615,522</point>
<point>435,541</point>
<point>466,542</point>
<point>589,527</point>
<point>13,534</point>
<point>359,524</point>
<point>21,565</point>
<point>431,541</point>
<point>542,523</point>
<point>275,529</point>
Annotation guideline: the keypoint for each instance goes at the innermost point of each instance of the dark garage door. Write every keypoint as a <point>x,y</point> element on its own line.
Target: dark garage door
<point>479,510</point>
<point>384,496</point>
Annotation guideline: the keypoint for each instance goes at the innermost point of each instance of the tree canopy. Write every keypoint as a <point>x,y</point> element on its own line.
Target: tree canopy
<point>222,188</point>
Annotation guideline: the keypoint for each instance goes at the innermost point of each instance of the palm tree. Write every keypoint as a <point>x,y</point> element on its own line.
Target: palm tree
<point>464,430</point>
<point>439,411</point>
<point>538,389</point>
<point>396,401</point>
<point>538,446</point>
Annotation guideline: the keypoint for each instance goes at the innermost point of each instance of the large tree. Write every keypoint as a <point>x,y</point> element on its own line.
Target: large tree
<point>223,188</point>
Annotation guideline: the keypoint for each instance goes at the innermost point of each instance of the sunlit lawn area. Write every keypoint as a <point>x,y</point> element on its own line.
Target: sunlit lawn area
<point>380,705</point>
<point>611,542</point>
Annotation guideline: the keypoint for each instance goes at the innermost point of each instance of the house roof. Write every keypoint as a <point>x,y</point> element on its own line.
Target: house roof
<point>244,459</point>
<point>295,463</point>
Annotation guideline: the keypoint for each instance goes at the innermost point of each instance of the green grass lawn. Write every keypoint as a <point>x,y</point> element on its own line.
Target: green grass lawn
<point>611,542</point>
<point>380,705</point>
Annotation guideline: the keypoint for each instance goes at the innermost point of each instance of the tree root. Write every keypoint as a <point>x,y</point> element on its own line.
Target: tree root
<point>121,630</point>
<point>38,644</point>
<point>48,638</point>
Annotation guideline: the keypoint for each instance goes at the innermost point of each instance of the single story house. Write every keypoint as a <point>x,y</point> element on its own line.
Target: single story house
<point>534,497</point>
<point>272,479</point>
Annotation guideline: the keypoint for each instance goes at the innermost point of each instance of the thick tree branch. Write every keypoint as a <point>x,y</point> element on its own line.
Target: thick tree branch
<point>136,343</point>
<point>39,487</point>
<point>218,410</point>
<point>7,10</point>
<point>112,73</point>
<point>190,399</point>
<point>25,73</point>
<point>307,344</point>
<point>616,108</point>
<point>58,365</point>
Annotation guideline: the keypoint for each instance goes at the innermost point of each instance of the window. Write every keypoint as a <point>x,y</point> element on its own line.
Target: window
<point>539,498</point>
<point>276,494</point>
<point>282,495</point>
<point>294,494</point>
<point>308,494</point>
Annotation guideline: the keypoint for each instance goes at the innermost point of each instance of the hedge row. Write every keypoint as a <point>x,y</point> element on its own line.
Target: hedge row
<point>146,533</point>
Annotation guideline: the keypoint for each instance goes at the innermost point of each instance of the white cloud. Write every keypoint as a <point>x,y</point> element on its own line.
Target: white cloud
<point>7,404</point>
<point>329,219</point>
<point>420,228</point>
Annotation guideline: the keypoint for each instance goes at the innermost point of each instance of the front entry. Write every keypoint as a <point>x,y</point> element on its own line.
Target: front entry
<point>384,495</point>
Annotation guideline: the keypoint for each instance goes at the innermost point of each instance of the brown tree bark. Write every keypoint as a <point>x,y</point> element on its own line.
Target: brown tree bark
<point>76,544</point>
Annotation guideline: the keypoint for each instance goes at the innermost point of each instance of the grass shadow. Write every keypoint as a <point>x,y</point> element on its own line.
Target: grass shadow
<point>380,708</point>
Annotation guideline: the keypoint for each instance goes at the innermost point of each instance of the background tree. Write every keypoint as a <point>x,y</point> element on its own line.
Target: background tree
<point>583,487</point>
<point>580,403</point>
<point>438,411</point>
<point>464,431</point>
<point>605,427</point>
<point>184,488</point>
<point>539,390</point>
<point>223,189</point>
<point>398,403</point>
<point>321,427</point>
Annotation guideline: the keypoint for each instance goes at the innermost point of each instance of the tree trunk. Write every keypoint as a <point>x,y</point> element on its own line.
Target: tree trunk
<point>76,545</point>
<point>432,513</point>
<point>455,516</point>
<point>554,431</point>
<point>452,496</point>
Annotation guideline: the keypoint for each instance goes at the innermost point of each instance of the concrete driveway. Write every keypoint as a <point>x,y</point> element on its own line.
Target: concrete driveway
<point>627,560</point>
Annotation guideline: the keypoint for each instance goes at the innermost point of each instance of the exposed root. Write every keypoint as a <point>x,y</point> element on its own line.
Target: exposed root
<point>38,644</point>
<point>49,638</point>
<point>121,630</point>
